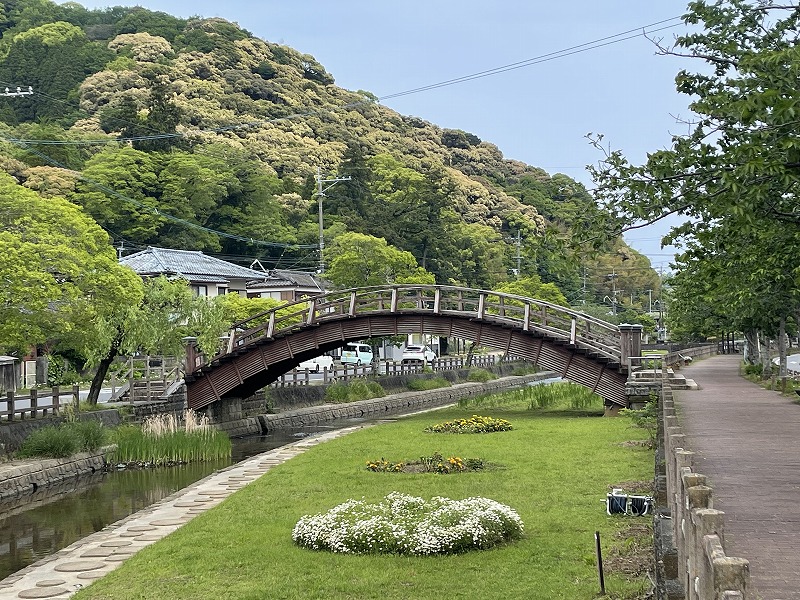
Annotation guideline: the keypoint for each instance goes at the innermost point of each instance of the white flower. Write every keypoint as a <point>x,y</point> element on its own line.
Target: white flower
<point>406,524</point>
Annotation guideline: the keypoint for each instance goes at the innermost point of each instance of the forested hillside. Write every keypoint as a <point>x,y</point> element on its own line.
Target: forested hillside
<point>171,132</point>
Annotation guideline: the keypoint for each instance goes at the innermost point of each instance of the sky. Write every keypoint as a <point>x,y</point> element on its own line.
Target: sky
<point>573,71</point>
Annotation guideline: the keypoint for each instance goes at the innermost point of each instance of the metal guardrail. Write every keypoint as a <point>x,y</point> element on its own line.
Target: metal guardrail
<point>551,320</point>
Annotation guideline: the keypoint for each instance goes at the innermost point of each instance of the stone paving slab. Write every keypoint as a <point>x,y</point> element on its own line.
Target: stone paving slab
<point>65,572</point>
<point>746,442</point>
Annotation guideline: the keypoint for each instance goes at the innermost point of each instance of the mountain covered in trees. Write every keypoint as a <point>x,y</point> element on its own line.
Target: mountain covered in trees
<point>195,134</point>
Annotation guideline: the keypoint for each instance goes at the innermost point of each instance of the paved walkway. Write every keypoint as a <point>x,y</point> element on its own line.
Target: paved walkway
<point>747,442</point>
<point>77,565</point>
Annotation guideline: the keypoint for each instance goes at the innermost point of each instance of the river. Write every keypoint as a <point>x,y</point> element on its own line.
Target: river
<point>35,526</point>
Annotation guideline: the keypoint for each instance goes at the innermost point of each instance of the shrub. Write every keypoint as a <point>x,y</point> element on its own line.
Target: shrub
<point>420,385</point>
<point>358,389</point>
<point>403,524</point>
<point>91,434</point>
<point>646,418</point>
<point>52,442</point>
<point>757,369</point>
<point>480,375</point>
<point>475,424</point>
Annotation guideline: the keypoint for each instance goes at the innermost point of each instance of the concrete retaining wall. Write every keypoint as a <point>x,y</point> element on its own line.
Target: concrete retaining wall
<point>698,566</point>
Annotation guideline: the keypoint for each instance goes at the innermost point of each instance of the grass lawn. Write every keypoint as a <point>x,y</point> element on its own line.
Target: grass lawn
<point>554,468</point>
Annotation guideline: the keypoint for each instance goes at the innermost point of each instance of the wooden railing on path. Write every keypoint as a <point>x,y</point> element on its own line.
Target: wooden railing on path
<point>36,403</point>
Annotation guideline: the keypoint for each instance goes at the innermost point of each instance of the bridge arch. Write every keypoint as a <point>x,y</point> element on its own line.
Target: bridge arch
<point>258,351</point>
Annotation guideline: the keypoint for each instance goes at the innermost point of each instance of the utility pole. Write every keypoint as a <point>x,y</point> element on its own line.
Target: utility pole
<point>320,194</point>
<point>584,285</point>
<point>613,277</point>
<point>19,92</point>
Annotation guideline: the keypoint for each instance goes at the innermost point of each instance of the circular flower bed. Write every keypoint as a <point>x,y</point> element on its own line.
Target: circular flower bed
<point>403,524</point>
<point>435,463</point>
<point>475,424</point>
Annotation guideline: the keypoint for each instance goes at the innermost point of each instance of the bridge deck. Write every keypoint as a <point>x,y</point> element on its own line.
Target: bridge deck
<point>587,350</point>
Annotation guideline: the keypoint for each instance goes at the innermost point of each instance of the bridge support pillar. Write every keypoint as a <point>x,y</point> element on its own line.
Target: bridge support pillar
<point>638,393</point>
<point>225,411</point>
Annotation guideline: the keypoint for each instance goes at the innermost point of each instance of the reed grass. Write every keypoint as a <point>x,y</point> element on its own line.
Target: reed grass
<point>166,439</point>
<point>421,385</point>
<point>561,395</point>
<point>61,441</point>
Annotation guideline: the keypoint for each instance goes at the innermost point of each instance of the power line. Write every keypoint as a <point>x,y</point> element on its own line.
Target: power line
<point>592,45</point>
<point>156,211</point>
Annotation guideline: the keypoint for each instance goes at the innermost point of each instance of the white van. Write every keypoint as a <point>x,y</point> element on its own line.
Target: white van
<point>356,354</point>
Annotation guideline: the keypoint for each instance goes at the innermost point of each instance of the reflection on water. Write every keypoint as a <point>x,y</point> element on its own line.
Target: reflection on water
<point>41,524</point>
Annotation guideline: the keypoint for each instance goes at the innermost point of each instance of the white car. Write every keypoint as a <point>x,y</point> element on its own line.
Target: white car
<point>418,354</point>
<point>356,354</point>
<point>317,364</point>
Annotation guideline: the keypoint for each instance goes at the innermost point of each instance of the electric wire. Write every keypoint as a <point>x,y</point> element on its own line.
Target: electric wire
<point>27,143</point>
<point>592,45</point>
<point>160,213</point>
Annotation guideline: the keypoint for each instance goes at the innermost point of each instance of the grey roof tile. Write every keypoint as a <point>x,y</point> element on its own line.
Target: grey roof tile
<point>191,264</point>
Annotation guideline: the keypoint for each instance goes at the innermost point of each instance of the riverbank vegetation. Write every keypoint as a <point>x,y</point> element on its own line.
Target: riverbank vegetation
<point>165,439</point>
<point>66,439</point>
<point>556,468</point>
<point>161,440</point>
<point>559,395</point>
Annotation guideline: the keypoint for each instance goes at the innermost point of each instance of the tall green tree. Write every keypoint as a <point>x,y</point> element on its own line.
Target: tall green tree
<point>532,287</point>
<point>53,59</point>
<point>357,260</point>
<point>741,160</point>
<point>735,175</point>
<point>59,272</point>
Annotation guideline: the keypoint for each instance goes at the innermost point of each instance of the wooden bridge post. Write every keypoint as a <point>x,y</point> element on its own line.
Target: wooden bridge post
<point>191,356</point>
<point>630,343</point>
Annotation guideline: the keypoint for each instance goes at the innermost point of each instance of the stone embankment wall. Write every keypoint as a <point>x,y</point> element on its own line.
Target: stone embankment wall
<point>13,433</point>
<point>20,478</point>
<point>392,404</point>
<point>690,545</point>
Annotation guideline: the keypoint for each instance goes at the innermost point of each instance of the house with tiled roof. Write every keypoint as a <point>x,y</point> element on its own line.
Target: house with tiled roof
<point>207,276</point>
<point>286,285</point>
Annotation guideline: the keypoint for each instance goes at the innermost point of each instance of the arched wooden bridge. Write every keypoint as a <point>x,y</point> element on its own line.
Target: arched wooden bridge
<point>258,351</point>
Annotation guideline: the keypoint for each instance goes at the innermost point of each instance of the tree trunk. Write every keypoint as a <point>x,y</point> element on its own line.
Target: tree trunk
<point>470,352</point>
<point>100,377</point>
<point>782,348</point>
<point>766,358</point>
<point>750,351</point>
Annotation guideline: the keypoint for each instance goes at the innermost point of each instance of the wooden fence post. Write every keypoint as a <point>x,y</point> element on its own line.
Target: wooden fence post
<point>34,402</point>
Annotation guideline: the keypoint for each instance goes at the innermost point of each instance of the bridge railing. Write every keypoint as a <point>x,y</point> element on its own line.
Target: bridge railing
<point>558,322</point>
